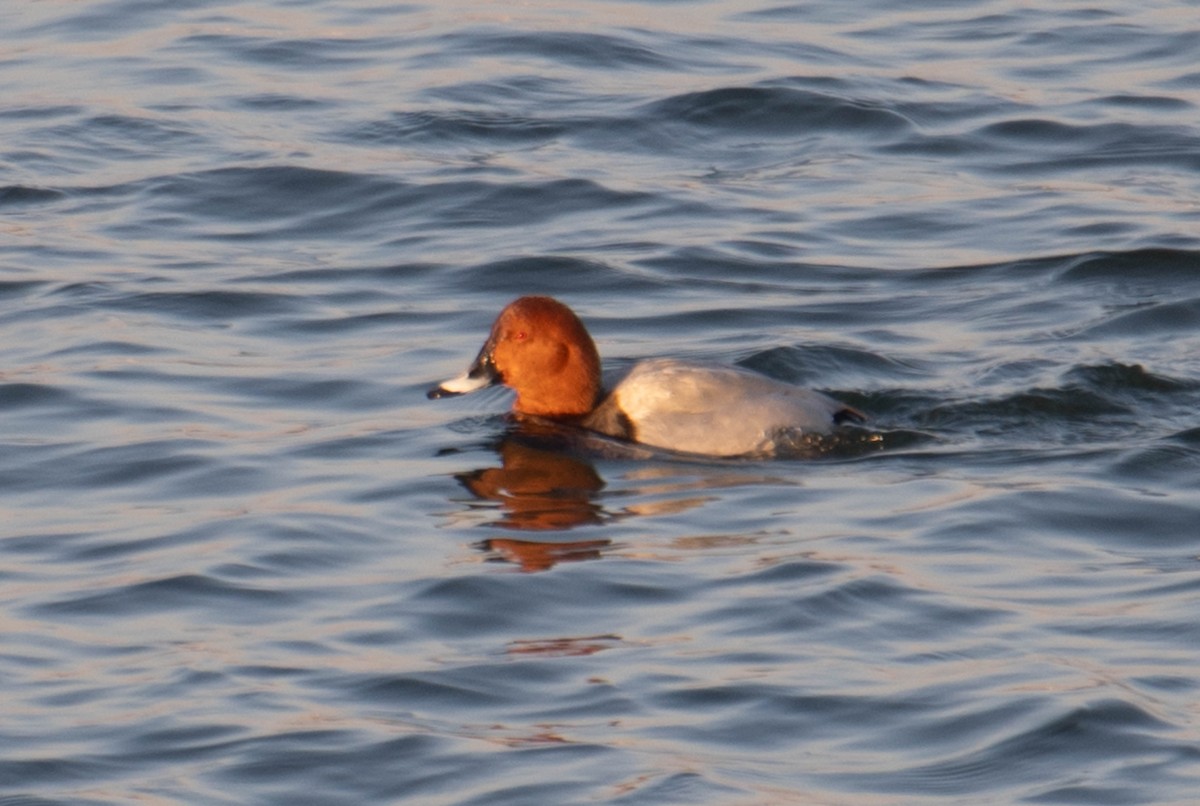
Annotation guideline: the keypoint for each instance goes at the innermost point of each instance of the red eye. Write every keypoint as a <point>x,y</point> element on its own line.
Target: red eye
<point>519,335</point>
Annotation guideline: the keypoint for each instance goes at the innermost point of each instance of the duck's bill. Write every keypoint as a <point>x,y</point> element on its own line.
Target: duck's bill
<point>481,375</point>
<point>461,385</point>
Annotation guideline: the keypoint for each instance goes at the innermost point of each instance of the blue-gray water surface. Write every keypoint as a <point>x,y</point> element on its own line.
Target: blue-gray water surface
<point>243,560</point>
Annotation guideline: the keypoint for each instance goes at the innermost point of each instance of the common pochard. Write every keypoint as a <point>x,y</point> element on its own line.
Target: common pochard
<point>540,349</point>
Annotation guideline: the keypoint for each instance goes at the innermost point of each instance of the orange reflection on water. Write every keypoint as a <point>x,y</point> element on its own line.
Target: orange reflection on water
<point>534,556</point>
<point>537,489</point>
<point>564,647</point>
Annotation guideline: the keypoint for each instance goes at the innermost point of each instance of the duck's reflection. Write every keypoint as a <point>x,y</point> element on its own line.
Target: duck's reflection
<point>545,482</point>
<point>539,489</point>
<point>532,555</point>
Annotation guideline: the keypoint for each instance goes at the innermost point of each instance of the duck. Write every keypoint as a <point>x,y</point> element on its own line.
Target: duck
<point>539,348</point>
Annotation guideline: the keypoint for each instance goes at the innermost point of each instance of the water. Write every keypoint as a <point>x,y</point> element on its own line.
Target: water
<point>244,560</point>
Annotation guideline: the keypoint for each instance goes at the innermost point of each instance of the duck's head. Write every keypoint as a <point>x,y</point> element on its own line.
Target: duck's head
<point>539,349</point>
